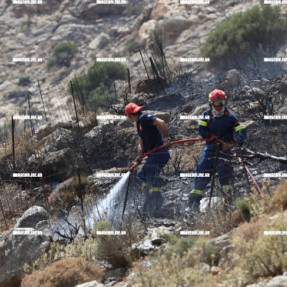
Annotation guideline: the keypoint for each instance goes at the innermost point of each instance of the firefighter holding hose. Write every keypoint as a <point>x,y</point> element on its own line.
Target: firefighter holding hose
<point>217,123</point>
<point>152,133</point>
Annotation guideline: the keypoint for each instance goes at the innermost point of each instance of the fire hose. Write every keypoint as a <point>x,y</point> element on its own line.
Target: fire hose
<point>140,158</point>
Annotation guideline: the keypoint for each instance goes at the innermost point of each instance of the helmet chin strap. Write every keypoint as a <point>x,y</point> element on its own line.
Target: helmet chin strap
<point>218,114</point>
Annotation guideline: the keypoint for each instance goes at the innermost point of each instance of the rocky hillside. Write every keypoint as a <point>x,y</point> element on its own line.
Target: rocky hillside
<point>32,31</point>
<point>54,210</point>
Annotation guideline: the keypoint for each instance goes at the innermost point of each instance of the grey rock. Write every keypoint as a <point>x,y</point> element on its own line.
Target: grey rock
<point>223,240</point>
<point>278,281</point>
<point>32,217</point>
<point>17,96</point>
<point>200,109</point>
<point>43,226</point>
<point>15,251</point>
<point>131,276</point>
<point>90,11</point>
<point>91,284</point>
<point>114,275</point>
<point>147,264</point>
<point>121,284</point>
<point>58,139</point>
<point>100,42</point>
<point>144,247</point>
<point>172,27</point>
<point>62,164</point>
<point>166,103</point>
<point>46,130</point>
<point>161,115</point>
<point>110,284</point>
<point>204,268</point>
<point>261,284</point>
<point>283,86</point>
<point>232,80</point>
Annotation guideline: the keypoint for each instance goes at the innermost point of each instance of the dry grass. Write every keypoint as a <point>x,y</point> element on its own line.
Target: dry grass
<point>178,270</point>
<point>250,231</point>
<point>279,198</point>
<point>260,255</point>
<point>64,273</point>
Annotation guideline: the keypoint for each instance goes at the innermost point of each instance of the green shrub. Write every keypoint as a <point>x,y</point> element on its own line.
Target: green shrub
<point>102,225</point>
<point>179,246</point>
<point>244,34</point>
<point>63,54</point>
<point>132,45</point>
<point>95,87</point>
<point>51,65</point>
<point>25,81</point>
<point>244,208</point>
<point>116,249</point>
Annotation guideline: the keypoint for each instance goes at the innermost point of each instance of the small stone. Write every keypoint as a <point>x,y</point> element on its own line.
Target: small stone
<point>204,268</point>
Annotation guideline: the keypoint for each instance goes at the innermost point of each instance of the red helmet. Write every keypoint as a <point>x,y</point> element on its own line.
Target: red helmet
<point>217,97</point>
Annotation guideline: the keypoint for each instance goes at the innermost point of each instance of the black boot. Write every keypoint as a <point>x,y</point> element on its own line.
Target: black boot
<point>194,202</point>
<point>156,202</point>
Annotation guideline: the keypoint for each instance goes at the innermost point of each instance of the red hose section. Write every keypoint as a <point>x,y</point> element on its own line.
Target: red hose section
<point>162,146</point>
<point>248,171</point>
<point>195,140</point>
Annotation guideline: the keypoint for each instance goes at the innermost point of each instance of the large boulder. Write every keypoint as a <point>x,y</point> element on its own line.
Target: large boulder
<point>110,146</point>
<point>146,30</point>
<point>166,103</point>
<point>151,85</point>
<point>57,140</point>
<point>171,28</point>
<point>278,281</point>
<point>89,10</point>
<point>65,195</point>
<point>46,130</point>
<point>161,115</point>
<point>62,164</point>
<point>232,80</point>
<point>32,217</point>
<point>16,250</point>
